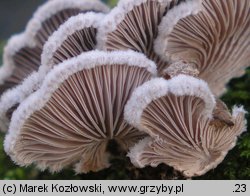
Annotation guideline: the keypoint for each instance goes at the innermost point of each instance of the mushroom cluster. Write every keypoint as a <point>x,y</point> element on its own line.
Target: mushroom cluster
<point>147,74</point>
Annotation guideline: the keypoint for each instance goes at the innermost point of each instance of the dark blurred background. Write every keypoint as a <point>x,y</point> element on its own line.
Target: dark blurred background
<point>14,15</point>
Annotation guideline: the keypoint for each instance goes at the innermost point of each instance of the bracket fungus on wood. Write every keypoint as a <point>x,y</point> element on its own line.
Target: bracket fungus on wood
<point>217,40</point>
<point>133,24</point>
<point>177,114</point>
<point>77,110</point>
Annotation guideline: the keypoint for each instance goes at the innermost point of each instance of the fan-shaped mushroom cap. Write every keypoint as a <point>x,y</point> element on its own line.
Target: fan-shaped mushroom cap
<point>22,55</point>
<point>75,36</point>
<point>177,116</point>
<point>181,85</point>
<point>133,24</point>
<point>217,40</point>
<point>52,14</point>
<point>72,38</point>
<point>77,110</point>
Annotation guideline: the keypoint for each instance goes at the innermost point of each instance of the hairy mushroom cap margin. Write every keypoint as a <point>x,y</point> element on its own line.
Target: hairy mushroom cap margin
<point>83,26</point>
<point>177,114</point>
<point>217,40</point>
<point>133,25</point>
<point>77,110</point>
<point>22,54</point>
<point>75,36</point>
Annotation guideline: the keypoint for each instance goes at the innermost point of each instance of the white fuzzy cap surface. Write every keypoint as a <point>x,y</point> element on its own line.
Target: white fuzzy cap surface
<point>61,73</point>
<point>52,7</point>
<point>180,85</point>
<point>75,23</point>
<point>187,8</point>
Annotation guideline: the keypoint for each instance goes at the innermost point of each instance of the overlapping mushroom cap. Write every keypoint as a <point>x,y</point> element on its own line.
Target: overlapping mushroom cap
<point>216,40</point>
<point>78,109</point>
<point>178,115</point>
<point>51,15</point>
<point>73,106</point>
<point>75,36</point>
<point>22,54</point>
<point>133,24</point>
<point>21,57</point>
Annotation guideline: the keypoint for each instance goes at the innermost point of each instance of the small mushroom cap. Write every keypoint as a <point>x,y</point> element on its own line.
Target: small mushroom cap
<point>133,24</point>
<point>75,36</point>
<point>191,161</point>
<point>170,20</point>
<point>181,85</point>
<point>217,40</point>
<point>182,135</point>
<point>77,110</point>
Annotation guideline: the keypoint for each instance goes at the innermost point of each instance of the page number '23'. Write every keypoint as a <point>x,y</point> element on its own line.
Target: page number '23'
<point>240,188</point>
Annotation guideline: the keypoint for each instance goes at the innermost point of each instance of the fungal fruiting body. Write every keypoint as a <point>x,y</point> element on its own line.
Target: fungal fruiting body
<point>148,74</point>
<point>178,115</point>
<point>22,54</point>
<point>216,40</point>
<point>75,36</point>
<point>77,110</point>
